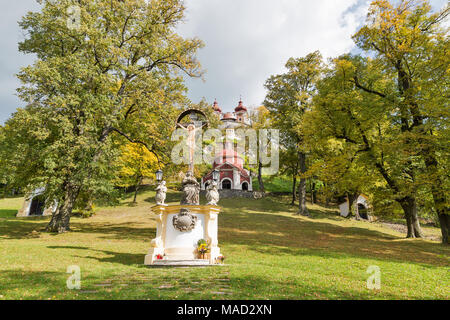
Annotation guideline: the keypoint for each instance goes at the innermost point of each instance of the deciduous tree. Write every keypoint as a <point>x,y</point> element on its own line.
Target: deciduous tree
<point>104,69</point>
<point>289,96</point>
<point>411,47</point>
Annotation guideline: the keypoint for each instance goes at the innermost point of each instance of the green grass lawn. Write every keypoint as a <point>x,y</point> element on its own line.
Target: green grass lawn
<point>274,184</point>
<point>270,253</point>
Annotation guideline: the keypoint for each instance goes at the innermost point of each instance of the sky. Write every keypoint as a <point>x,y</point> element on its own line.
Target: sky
<point>246,41</point>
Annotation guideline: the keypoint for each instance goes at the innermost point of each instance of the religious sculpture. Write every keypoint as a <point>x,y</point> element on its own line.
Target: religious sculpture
<point>161,191</point>
<point>212,194</point>
<point>192,130</point>
<point>175,240</point>
<point>191,190</point>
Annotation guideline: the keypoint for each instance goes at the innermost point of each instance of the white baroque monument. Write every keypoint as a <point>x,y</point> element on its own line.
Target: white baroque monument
<point>180,227</point>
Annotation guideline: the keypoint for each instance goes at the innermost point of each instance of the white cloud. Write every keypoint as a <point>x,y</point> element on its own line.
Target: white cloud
<point>247,41</point>
<point>11,60</point>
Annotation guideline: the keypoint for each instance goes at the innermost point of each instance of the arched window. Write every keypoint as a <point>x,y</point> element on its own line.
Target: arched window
<point>226,184</point>
<point>245,186</point>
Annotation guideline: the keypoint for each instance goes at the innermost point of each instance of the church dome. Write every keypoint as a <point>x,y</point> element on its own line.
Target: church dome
<point>229,116</point>
<point>240,107</point>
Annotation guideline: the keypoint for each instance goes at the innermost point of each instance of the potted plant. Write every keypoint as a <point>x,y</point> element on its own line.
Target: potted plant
<point>202,248</point>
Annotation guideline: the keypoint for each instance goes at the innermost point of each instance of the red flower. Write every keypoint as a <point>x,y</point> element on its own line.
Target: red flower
<point>159,257</point>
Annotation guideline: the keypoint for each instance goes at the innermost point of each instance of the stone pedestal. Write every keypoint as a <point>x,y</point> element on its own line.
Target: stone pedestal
<point>175,245</point>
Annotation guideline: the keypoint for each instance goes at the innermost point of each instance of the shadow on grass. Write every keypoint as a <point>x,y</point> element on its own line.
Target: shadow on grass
<point>27,281</point>
<point>115,257</point>
<point>267,232</point>
<point>249,223</point>
<point>7,213</point>
<point>163,284</point>
<point>121,231</point>
<point>22,228</point>
<point>25,228</point>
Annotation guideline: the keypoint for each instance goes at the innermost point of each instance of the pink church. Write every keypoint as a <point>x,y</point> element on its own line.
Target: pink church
<point>230,164</point>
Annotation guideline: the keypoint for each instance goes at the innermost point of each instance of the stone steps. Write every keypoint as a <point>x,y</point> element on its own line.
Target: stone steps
<point>180,263</point>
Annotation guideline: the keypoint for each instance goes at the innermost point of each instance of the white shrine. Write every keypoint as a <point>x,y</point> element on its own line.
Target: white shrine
<point>180,247</point>
<point>180,227</point>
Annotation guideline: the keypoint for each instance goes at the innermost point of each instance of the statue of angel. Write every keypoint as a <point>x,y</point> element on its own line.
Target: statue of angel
<point>161,191</point>
<point>191,190</point>
<point>212,194</point>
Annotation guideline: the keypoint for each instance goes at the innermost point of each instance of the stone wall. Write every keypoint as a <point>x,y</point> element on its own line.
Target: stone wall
<point>226,194</point>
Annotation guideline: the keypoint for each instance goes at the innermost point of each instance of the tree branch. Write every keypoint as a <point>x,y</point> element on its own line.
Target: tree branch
<point>360,86</point>
<point>137,142</point>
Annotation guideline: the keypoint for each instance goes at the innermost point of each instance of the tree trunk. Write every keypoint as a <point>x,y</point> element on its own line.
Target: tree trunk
<point>294,189</point>
<point>313,193</point>
<point>440,203</point>
<point>136,188</point>
<point>442,212</point>
<point>412,221</point>
<point>409,206</point>
<point>260,180</point>
<point>60,221</point>
<point>327,197</point>
<point>444,221</point>
<point>353,205</point>
<point>302,209</point>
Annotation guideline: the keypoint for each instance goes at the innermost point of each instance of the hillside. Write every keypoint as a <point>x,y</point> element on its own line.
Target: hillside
<point>270,254</point>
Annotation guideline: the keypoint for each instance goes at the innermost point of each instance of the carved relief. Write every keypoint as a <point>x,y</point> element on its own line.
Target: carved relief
<point>184,221</point>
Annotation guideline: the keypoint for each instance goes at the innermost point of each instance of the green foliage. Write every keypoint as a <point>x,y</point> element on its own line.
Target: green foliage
<point>410,44</point>
<point>134,164</point>
<point>379,124</point>
<point>288,98</point>
<point>115,78</point>
<point>290,94</point>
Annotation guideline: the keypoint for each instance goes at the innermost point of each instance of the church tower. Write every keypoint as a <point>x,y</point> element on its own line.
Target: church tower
<point>228,162</point>
<point>241,113</point>
<point>216,108</point>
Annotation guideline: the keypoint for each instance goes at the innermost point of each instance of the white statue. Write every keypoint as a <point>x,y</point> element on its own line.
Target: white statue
<point>212,194</point>
<point>161,191</point>
<point>192,131</point>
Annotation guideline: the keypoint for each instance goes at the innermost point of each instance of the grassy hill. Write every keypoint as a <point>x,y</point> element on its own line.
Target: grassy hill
<point>274,184</point>
<point>270,253</point>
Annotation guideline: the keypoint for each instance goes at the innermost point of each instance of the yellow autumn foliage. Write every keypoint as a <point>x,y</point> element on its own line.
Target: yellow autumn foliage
<point>135,163</point>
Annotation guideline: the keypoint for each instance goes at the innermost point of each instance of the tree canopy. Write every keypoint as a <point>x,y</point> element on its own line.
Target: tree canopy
<point>111,71</point>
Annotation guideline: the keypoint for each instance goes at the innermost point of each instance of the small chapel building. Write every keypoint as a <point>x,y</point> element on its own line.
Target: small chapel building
<point>364,207</point>
<point>34,205</point>
<point>230,164</point>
